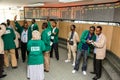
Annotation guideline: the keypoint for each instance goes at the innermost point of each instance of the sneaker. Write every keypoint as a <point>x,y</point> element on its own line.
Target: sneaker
<point>4,75</point>
<point>73,64</point>
<point>84,73</point>
<point>67,61</point>
<point>73,71</point>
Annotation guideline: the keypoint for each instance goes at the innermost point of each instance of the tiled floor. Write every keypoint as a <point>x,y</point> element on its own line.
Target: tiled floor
<point>59,70</point>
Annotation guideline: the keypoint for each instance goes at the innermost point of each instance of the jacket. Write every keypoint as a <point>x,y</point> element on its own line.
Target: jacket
<point>2,31</point>
<point>83,40</point>
<point>30,29</point>
<point>100,47</point>
<point>35,48</point>
<point>75,40</point>
<point>8,39</point>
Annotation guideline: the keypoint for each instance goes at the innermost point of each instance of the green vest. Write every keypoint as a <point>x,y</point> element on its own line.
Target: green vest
<point>30,29</point>
<point>56,31</point>
<point>45,37</point>
<point>36,48</point>
<point>83,40</point>
<point>8,39</point>
<point>55,35</point>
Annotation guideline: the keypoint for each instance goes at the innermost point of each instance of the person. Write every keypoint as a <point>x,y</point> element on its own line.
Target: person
<point>31,28</point>
<point>36,47</point>
<point>9,24</point>
<point>84,47</point>
<point>23,31</point>
<point>54,39</point>
<point>72,40</point>
<point>9,47</point>
<point>17,44</point>
<point>100,51</point>
<point>46,37</point>
<point>2,31</point>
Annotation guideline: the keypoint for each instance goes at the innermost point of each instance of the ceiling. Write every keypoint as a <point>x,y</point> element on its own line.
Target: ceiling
<point>48,2</point>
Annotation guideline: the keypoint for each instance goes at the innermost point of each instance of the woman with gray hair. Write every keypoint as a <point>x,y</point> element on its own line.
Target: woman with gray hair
<point>35,57</point>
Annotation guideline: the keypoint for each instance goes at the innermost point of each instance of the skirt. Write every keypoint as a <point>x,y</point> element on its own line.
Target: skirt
<point>35,72</point>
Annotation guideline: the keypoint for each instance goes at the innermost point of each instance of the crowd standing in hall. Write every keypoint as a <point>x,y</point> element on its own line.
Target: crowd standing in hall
<point>39,47</point>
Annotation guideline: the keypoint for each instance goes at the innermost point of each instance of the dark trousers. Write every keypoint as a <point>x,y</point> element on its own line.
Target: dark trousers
<point>98,67</point>
<point>55,47</point>
<point>24,50</point>
<point>1,63</point>
<point>94,63</point>
<point>16,53</point>
<point>78,57</point>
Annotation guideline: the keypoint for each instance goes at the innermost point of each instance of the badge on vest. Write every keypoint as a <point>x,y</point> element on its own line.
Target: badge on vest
<point>7,32</point>
<point>35,48</point>
<point>49,33</point>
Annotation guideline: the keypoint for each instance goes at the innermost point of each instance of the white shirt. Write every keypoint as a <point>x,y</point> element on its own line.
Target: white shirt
<point>32,27</point>
<point>24,36</point>
<point>97,38</point>
<point>53,30</point>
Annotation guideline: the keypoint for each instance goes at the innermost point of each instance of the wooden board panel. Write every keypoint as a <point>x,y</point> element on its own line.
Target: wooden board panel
<point>115,44</point>
<point>111,33</point>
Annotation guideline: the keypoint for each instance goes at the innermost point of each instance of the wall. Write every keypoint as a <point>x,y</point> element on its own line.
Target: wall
<point>65,28</point>
<point>111,33</point>
<point>115,43</point>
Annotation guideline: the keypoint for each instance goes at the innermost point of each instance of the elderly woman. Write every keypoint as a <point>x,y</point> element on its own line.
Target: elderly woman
<point>2,31</point>
<point>35,57</point>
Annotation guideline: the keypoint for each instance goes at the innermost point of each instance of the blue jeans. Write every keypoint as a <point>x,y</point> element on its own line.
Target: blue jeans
<point>78,57</point>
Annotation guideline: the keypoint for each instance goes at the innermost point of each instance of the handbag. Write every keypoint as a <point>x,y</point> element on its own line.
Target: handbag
<point>71,42</point>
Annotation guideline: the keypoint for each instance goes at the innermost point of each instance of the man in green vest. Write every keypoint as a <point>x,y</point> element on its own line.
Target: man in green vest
<point>46,37</point>
<point>9,46</point>
<point>31,28</point>
<point>23,31</point>
<point>54,39</point>
<point>84,47</point>
<point>26,34</point>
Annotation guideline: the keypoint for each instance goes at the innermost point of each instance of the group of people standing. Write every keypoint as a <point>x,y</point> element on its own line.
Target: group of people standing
<point>39,47</point>
<point>89,42</point>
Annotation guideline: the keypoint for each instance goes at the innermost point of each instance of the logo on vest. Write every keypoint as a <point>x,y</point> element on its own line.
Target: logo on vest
<point>35,48</point>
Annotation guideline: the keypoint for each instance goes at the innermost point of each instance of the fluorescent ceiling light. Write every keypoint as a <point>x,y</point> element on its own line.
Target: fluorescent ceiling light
<point>69,0</point>
<point>37,4</point>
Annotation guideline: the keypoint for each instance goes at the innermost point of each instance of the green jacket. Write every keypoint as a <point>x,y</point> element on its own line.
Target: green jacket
<point>54,35</point>
<point>46,36</point>
<point>19,28</point>
<point>30,29</point>
<point>8,39</point>
<point>83,40</point>
<point>36,48</point>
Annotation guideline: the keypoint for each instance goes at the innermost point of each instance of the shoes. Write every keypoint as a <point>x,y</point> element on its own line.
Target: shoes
<point>57,59</point>
<point>15,67</point>
<point>23,61</point>
<point>92,72</point>
<point>73,64</point>
<point>95,78</point>
<point>28,78</point>
<point>51,57</point>
<point>4,75</point>
<point>46,70</point>
<point>67,61</point>
<point>73,71</point>
<point>84,73</point>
